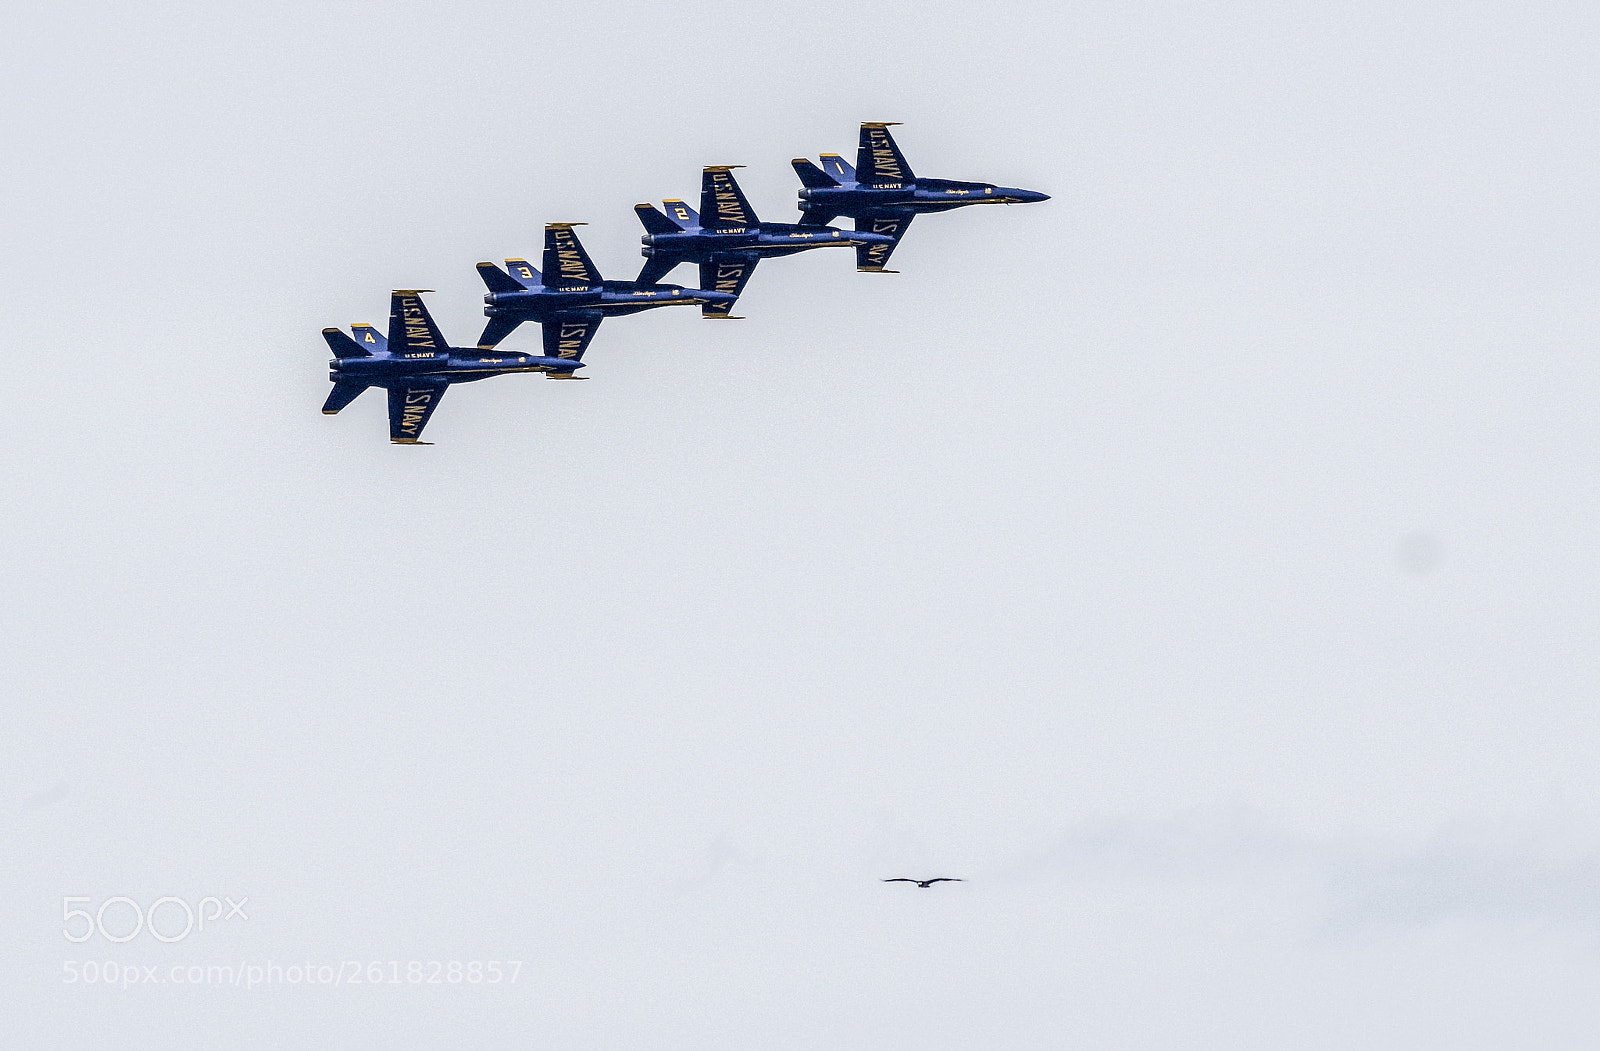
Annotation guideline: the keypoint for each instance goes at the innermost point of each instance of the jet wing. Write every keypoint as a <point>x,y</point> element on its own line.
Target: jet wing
<point>879,161</point>
<point>876,257</point>
<point>722,204</point>
<point>568,335</point>
<point>411,405</point>
<point>566,264</point>
<point>728,276</point>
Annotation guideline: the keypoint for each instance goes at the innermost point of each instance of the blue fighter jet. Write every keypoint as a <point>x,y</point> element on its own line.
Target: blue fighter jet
<point>882,195</point>
<point>569,299</point>
<point>727,239</point>
<point>415,365</point>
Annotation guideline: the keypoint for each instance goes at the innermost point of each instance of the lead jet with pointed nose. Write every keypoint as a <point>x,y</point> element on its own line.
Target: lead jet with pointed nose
<point>569,299</point>
<point>882,195</point>
<point>726,239</point>
<point>416,366</point>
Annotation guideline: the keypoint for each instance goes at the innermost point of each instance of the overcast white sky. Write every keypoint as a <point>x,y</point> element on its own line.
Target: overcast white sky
<point>1201,564</point>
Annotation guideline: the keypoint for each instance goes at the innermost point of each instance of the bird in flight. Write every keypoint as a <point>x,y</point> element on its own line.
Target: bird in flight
<point>925,883</point>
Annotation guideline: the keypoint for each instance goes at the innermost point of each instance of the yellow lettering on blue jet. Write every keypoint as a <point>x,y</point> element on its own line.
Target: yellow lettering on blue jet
<point>727,198</point>
<point>569,342</point>
<point>414,319</point>
<point>883,158</point>
<point>416,405</point>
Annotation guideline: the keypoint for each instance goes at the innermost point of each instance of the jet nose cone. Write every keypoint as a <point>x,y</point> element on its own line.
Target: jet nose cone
<point>1027,196</point>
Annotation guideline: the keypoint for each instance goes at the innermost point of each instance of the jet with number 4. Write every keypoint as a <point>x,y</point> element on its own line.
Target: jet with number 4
<point>726,239</point>
<point>882,195</point>
<point>569,299</point>
<point>416,366</point>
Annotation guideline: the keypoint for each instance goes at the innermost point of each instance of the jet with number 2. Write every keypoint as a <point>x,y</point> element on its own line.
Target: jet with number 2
<point>416,366</point>
<point>882,195</point>
<point>727,239</point>
<point>569,299</point>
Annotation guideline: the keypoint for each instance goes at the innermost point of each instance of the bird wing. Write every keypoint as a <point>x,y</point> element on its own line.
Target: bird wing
<point>947,879</point>
<point>900,879</point>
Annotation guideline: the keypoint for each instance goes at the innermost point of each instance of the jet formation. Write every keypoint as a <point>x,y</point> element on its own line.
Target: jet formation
<point>568,298</point>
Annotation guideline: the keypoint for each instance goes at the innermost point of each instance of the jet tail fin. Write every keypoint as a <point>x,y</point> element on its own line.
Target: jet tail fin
<point>370,338</point>
<point>812,176</point>
<point>878,159</point>
<point>722,203</point>
<point>566,264</point>
<point>654,222</point>
<point>343,346</point>
<point>682,214</point>
<point>522,270</point>
<point>838,168</point>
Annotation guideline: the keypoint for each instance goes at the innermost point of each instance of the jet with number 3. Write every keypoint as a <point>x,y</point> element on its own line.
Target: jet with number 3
<point>882,195</point>
<point>569,299</point>
<point>416,366</point>
<point>727,239</point>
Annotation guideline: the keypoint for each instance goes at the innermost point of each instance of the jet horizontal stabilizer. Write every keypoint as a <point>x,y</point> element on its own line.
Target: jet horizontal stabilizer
<point>813,176</point>
<point>344,392</point>
<point>655,268</point>
<point>343,346</point>
<point>499,327</point>
<point>654,222</point>
<point>497,280</point>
